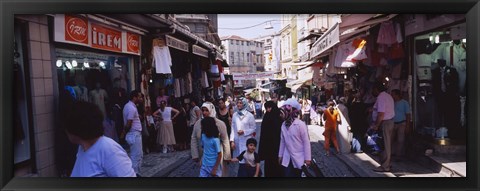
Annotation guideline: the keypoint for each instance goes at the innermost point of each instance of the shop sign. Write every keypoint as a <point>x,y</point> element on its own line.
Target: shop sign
<point>76,29</point>
<point>252,76</point>
<point>106,38</point>
<point>200,51</point>
<point>176,43</point>
<point>133,43</point>
<point>326,41</point>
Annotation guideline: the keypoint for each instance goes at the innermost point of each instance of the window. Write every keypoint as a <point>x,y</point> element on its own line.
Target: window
<point>243,56</point>
<point>242,43</point>
<point>238,57</point>
<point>231,42</point>
<point>232,57</point>
<point>200,29</point>
<point>248,57</point>
<point>237,42</point>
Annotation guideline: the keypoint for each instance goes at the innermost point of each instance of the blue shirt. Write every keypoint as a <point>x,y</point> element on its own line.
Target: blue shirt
<point>211,148</point>
<point>401,109</point>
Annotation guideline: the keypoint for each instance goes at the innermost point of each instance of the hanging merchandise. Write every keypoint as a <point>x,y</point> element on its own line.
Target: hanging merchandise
<point>204,80</point>
<point>398,33</point>
<point>161,57</point>
<point>386,34</point>
<point>177,88</point>
<point>396,52</point>
<point>189,82</point>
<point>396,70</point>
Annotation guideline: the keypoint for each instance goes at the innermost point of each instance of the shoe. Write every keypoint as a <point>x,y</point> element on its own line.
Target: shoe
<point>164,150</point>
<point>326,154</point>
<point>381,169</point>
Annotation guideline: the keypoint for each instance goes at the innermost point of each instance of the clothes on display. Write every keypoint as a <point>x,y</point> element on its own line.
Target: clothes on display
<point>81,92</point>
<point>386,34</point>
<point>456,56</point>
<point>161,57</point>
<point>98,97</point>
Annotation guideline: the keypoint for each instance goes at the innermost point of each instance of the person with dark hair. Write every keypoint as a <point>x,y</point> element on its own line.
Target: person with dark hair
<point>382,115</point>
<point>166,134</point>
<point>401,123</point>
<point>180,126</point>
<point>99,97</point>
<point>295,149</point>
<point>224,115</point>
<point>332,119</point>
<point>208,110</point>
<point>270,139</point>
<point>195,114</point>
<point>359,123</point>
<point>212,154</point>
<point>133,129</point>
<point>161,97</point>
<point>97,155</point>
<point>249,161</point>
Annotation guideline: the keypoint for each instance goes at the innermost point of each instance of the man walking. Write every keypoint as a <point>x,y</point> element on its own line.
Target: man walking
<point>133,129</point>
<point>401,122</point>
<point>383,113</point>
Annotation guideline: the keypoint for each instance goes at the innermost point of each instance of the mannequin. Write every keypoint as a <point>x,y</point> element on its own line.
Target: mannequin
<point>445,89</point>
<point>99,96</point>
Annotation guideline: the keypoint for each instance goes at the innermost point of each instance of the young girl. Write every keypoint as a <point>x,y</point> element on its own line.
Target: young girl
<point>166,136</point>
<point>211,149</point>
<point>249,161</point>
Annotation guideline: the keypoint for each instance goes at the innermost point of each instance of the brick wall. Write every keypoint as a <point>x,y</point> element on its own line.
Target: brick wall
<point>41,70</point>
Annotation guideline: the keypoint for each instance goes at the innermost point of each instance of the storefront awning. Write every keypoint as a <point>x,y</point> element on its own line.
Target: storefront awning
<point>297,63</point>
<point>301,80</point>
<point>295,88</point>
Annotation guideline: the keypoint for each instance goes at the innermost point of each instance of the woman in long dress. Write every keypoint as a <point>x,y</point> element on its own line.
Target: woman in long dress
<point>243,127</point>
<point>166,136</point>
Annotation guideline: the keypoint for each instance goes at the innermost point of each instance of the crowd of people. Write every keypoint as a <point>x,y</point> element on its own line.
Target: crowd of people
<point>222,132</point>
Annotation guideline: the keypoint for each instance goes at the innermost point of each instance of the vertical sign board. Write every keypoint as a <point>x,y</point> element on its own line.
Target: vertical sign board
<point>75,29</point>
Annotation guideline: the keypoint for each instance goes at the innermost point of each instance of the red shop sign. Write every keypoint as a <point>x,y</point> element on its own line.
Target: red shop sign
<point>76,29</point>
<point>106,38</point>
<point>133,43</point>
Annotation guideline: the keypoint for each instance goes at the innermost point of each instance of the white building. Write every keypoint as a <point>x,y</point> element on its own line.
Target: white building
<point>243,56</point>
<point>271,52</point>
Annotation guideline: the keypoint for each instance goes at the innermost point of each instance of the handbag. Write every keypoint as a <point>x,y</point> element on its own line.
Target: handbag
<point>313,170</point>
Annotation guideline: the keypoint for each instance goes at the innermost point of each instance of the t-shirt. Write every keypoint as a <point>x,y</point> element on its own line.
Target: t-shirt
<point>249,158</point>
<point>211,148</point>
<point>166,113</point>
<point>130,112</point>
<point>106,158</point>
<point>193,115</point>
<point>401,109</point>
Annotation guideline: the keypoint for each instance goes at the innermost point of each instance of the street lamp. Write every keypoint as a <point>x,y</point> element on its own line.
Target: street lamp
<point>268,25</point>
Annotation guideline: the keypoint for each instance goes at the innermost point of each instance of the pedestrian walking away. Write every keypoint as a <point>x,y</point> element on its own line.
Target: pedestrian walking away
<point>97,155</point>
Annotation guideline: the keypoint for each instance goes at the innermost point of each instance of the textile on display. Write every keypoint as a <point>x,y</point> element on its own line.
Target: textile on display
<point>161,57</point>
<point>386,34</point>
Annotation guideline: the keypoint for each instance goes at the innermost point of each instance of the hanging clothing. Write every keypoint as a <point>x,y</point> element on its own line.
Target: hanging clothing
<point>81,92</point>
<point>204,80</point>
<point>386,34</point>
<point>343,52</point>
<point>162,60</point>
<point>398,33</point>
<point>178,92</point>
<point>456,56</point>
<point>98,97</point>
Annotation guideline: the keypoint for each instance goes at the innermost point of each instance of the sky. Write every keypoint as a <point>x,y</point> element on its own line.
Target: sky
<point>231,24</point>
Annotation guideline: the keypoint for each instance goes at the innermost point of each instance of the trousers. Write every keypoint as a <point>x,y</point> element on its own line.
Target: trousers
<point>134,140</point>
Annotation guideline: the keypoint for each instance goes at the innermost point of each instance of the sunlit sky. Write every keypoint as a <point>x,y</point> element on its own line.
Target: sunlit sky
<point>230,24</point>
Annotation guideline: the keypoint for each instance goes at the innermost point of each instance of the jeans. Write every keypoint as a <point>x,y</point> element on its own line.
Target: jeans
<point>134,140</point>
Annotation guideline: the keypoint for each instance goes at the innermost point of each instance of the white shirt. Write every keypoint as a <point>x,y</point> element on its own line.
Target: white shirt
<point>166,113</point>
<point>162,60</point>
<point>130,112</point>
<point>245,123</point>
<point>106,158</point>
<point>384,104</point>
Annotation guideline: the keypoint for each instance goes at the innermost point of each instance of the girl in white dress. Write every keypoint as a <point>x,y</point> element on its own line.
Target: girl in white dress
<point>166,136</point>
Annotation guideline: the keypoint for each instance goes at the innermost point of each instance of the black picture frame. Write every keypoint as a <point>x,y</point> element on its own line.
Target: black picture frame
<point>9,8</point>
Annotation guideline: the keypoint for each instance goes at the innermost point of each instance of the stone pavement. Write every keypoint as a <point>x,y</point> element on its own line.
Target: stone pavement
<point>179,163</point>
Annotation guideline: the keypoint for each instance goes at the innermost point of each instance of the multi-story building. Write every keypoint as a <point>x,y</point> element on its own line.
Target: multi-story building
<point>203,25</point>
<point>271,52</point>
<point>243,56</point>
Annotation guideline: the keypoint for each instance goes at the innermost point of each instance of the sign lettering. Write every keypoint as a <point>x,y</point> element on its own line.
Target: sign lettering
<point>200,51</point>
<point>76,29</point>
<point>326,41</point>
<point>106,38</point>
<point>177,44</point>
<point>252,76</point>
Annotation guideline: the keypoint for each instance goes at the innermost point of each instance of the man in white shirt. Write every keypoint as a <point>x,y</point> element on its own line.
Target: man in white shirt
<point>133,129</point>
<point>383,113</point>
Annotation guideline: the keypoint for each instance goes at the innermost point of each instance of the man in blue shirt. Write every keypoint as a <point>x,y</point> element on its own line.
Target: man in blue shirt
<point>401,122</point>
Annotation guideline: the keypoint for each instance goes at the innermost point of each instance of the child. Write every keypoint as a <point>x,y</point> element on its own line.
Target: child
<point>249,161</point>
<point>211,149</point>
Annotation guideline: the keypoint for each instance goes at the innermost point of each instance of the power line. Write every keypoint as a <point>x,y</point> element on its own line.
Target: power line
<point>249,26</point>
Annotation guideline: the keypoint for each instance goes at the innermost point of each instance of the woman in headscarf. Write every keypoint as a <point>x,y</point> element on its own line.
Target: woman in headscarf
<point>208,110</point>
<point>295,147</point>
<point>270,139</point>
<point>243,127</point>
